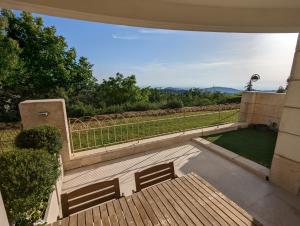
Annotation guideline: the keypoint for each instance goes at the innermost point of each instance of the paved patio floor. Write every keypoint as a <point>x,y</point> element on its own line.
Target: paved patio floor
<point>269,204</point>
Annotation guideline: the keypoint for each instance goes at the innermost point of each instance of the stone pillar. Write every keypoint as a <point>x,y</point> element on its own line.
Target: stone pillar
<point>3,216</point>
<point>285,170</point>
<point>48,112</point>
<point>247,106</point>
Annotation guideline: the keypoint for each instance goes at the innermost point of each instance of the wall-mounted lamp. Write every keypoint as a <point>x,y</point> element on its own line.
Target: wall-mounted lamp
<point>44,114</point>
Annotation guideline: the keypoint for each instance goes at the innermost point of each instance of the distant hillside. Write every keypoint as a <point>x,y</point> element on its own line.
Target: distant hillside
<point>210,89</point>
<point>222,90</point>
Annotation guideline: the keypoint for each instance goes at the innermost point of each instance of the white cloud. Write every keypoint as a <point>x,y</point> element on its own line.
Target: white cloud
<point>125,37</point>
<point>156,31</point>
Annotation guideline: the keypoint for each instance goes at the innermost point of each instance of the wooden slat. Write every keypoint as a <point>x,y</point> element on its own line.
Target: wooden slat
<point>91,196</point>
<point>73,220</point>
<point>91,203</point>
<point>91,188</point>
<point>141,210</point>
<point>199,216</point>
<point>104,215</point>
<point>235,216</point>
<point>148,209</point>
<point>65,221</point>
<point>119,212</point>
<point>168,205</point>
<point>89,217</point>
<point>155,168</point>
<point>211,215</point>
<point>155,181</point>
<point>96,216</point>
<point>158,207</point>
<point>239,209</point>
<point>185,213</point>
<point>81,218</point>
<point>126,212</point>
<point>134,212</point>
<point>209,200</point>
<point>112,214</point>
<point>154,175</point>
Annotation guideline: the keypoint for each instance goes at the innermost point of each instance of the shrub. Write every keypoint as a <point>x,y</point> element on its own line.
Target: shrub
<point>41,137</point>
<point>173,104</point>
<point>80,109</point>
<point>26,180</point>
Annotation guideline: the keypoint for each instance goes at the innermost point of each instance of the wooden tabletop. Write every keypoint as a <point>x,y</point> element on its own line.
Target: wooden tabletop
<point>187,200</point>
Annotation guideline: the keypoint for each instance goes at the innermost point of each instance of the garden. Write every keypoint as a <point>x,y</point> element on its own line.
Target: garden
<point>254,143</point>
<point>29,171</point>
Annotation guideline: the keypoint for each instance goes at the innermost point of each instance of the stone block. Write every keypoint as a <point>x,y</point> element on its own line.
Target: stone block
<point>47,112</point>
<point>285,173</point>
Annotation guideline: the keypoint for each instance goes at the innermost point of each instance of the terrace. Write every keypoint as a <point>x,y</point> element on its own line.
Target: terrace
<point>102,148</point>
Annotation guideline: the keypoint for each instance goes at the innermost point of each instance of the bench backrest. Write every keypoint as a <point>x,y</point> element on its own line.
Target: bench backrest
<point>89,196</point>
<point>154,175</point>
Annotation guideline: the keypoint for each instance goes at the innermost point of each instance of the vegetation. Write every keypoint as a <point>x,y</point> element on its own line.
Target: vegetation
<point>135,128</point>
<point>255,144</point>
<point>42,137</point>
<point>26,180</point>
<point>37,63</point>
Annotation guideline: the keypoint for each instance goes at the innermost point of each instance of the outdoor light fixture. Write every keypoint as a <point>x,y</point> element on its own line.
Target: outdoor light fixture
<point>254,78</point>
<point>45,113</point>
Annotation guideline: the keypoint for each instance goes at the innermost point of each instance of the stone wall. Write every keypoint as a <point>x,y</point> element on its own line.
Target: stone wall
<point>262,108</point>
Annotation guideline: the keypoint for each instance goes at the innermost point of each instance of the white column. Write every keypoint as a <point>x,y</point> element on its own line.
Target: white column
<point>285,170</point>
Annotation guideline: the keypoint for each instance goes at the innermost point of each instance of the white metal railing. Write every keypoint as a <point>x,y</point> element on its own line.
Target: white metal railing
<point>93,132</point>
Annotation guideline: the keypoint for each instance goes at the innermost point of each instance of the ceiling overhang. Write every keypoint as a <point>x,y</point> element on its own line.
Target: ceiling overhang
<point>200,15</point>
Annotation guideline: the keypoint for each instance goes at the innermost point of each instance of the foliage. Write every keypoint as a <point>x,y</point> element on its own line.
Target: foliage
<point>41,137</point>
<point>26,180</point>
<point>249,86</point>
<point>281,89</point>
<point>173,104</point>
<point>36,63</point>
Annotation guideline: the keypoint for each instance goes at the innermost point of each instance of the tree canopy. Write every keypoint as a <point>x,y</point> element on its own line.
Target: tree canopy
<point>36,63</point>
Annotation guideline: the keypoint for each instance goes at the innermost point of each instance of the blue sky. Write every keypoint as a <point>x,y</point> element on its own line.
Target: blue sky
<point>162,58</point>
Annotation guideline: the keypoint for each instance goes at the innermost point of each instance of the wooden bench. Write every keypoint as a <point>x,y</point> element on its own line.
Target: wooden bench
<point>154,175</point>
<point>89,196</point>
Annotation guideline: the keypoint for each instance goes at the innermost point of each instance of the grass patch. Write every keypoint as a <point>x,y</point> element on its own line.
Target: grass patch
<point>121,131</point>
<point>254,144</point>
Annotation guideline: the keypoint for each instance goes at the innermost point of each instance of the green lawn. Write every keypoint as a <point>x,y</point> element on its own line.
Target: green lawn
<point>121,131</point>
<point>253,144</point>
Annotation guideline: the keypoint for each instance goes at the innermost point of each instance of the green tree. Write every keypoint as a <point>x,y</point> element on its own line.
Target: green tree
<point>281,89</point>
<point>36,62</point>
<point>119,90</point>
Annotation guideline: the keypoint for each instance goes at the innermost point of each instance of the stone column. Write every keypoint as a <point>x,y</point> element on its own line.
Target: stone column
<point>48,112</point>
<point>285,170</point>
<point>247,106</point>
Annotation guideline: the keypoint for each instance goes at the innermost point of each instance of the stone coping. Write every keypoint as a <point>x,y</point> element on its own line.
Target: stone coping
<point>102,154</point>
<point>247,164</point>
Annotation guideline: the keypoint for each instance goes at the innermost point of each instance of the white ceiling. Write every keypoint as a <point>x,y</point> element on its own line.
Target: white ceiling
<point>204,15</point>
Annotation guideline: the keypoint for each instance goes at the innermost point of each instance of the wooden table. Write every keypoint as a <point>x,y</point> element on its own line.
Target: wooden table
<point>187,200</point>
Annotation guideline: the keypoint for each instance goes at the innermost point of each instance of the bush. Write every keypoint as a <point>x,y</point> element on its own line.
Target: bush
<point>41,137</point>
<point>173,104</point>
<point>80,109</point>
<point>141,106</point>
<point>26,180</point>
